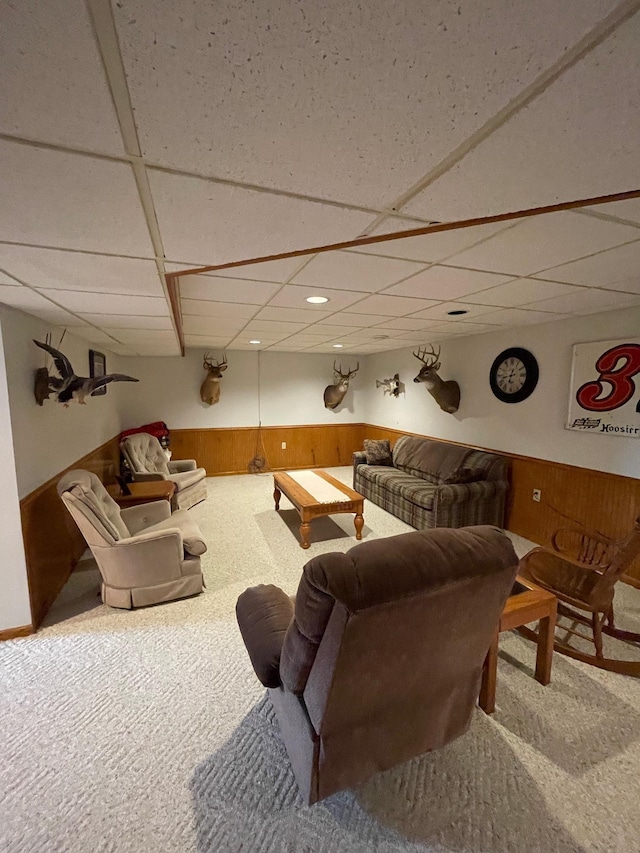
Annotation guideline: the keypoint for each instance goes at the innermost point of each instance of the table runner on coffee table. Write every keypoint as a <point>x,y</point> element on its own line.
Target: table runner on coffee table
<point>318,488</point>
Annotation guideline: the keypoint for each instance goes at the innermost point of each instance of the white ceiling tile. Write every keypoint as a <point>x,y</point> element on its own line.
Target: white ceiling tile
<point>281,94</point>
<point>52,84</point>
<point>436,246</point>
<point>58,317</point>
<point>52,198</point>
<point>23,298</point>
<point>133,337</point>
<point>615,269</point>
<point>440,282</point>
<point>586,302</point>
<point>576,140</point>
<point>540,242</point>
<point>628,210</point>
<point>8,280</point>
<point>392,224</point>
<point>293,315</point>
<point>353,271</point>
<point>193,325</point>
<point>202,308</point>
<point>274,327</point>
<point>94,336</point>
<point>207,340</point>
<point>243,344</point>
<point>58,270</point>
<point>226,290</point>
<point>520,317</point>
<point>121,349</point>
<point>441,311</point>
<point>395,306</point>
<point>128,321</point>
<point>107,303</point>
<point>294,296</point>
<point>329,328</point>
<point>164,350</point>
<point>236,224</point>
<point>404,324</point>
<point>272,271</point>
<point>355,319</point>
<point>519,292</point>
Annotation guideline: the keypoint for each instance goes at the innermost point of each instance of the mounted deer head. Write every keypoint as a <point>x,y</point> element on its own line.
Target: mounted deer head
<point>446,394</point>
<point>210,388</point>
<point>334,394</point>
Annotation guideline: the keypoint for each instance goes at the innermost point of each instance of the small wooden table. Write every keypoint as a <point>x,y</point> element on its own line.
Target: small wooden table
<point>309,507</point>
<point>143,493</point>
<point>527,603</point>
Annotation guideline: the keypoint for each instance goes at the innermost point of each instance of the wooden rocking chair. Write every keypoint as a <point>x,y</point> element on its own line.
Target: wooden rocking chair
<point>582,569</point>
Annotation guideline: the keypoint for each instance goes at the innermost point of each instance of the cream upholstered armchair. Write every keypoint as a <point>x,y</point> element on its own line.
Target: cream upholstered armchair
<point>145,554</point>
<point>147,461</point>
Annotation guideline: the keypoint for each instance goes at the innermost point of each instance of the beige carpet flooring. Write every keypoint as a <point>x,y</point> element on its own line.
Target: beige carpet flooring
<point>133,732</point>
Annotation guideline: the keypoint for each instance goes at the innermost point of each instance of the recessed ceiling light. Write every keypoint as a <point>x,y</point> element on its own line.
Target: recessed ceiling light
<point>457,312</point>
<point>255,342</point>
<point>337,346</point>
<point>317,300</point>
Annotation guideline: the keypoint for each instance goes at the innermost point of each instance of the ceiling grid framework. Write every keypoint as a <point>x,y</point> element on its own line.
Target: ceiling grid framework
<point>364,125</point>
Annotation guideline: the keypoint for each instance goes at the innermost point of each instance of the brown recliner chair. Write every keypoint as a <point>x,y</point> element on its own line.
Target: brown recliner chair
<point>379,658</point>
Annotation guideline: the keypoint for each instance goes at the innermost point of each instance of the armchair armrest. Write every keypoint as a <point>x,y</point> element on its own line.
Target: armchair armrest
<point>147,478</point>
<point>264,614</point>
<point>182,465</point>
<point>143,560</point>
<point>137,518</point>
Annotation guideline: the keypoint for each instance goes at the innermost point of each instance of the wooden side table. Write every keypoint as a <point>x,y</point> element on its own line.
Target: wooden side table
<point>143,493</point>
<point>528,603</point>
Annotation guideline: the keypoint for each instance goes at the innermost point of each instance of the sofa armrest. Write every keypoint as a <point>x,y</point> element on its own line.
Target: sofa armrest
<point>264,614</point>
<point>359,458</point>
<point>147,478</point>
<point>137,518</point>
<point>182,465</point>
<point>469,492</point>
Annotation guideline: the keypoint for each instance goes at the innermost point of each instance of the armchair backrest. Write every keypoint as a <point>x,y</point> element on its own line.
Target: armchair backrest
<point>388,640</point>
<point>144,454</point>
<point>92,507</point>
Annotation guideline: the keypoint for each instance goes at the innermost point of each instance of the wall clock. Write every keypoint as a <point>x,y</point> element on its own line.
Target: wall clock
<point>514,375</point>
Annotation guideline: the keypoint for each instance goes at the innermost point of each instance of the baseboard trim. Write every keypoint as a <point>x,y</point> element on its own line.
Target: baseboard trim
<point>14,633</point>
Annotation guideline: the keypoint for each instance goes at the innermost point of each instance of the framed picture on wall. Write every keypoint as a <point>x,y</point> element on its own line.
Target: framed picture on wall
<point>97,368</point>
<point>605,388</point>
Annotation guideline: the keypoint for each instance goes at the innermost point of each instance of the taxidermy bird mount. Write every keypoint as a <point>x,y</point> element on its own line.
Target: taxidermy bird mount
<point>70,387</point>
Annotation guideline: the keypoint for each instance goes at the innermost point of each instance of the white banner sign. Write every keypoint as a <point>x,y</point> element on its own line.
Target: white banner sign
<point>605,388</point>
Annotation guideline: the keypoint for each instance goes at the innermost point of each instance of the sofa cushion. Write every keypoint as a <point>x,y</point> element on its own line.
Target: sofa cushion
<point>463,475</point>
<point>377,452</point>
<point>430,460</point>
<point>390,481</point>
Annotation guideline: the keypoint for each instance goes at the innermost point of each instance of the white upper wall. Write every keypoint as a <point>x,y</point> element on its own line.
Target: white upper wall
<point>534,427</point>
<point>275,387</point>
<point>49,438</point>
<point>15,611</point>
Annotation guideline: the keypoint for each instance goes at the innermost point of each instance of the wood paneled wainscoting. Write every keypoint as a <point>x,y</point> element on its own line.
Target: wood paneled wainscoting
<point>607,503</point>
<point>53,544</point>
<point>229,451</point>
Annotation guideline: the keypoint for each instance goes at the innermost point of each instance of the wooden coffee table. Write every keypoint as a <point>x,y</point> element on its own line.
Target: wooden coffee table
<point>527,603</point>
<point>143,493</point>
<point>309,507</point>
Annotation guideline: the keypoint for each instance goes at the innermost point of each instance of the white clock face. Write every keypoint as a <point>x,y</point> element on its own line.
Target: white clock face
<point>511,375</point>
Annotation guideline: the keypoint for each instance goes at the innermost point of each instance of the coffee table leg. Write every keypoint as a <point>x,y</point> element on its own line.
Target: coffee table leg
<point>305,529</point>
<point>487,699</point>
<point>277,494</point>
<point>359,524</point>
<point>544,655</point>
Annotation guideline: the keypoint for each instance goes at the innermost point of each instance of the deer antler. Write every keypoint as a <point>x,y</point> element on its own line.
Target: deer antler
<point>353,372</point>
<point>209,365</point>
<point>432,356</point>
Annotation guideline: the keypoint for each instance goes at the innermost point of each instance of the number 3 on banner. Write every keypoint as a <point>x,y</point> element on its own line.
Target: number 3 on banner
<point>621,380</point>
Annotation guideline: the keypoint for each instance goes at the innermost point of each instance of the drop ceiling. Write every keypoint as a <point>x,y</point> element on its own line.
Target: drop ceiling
<point>140,138</point>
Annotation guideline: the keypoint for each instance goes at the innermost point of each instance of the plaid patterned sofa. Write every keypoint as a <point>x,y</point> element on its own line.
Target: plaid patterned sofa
<point>420,488</point>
